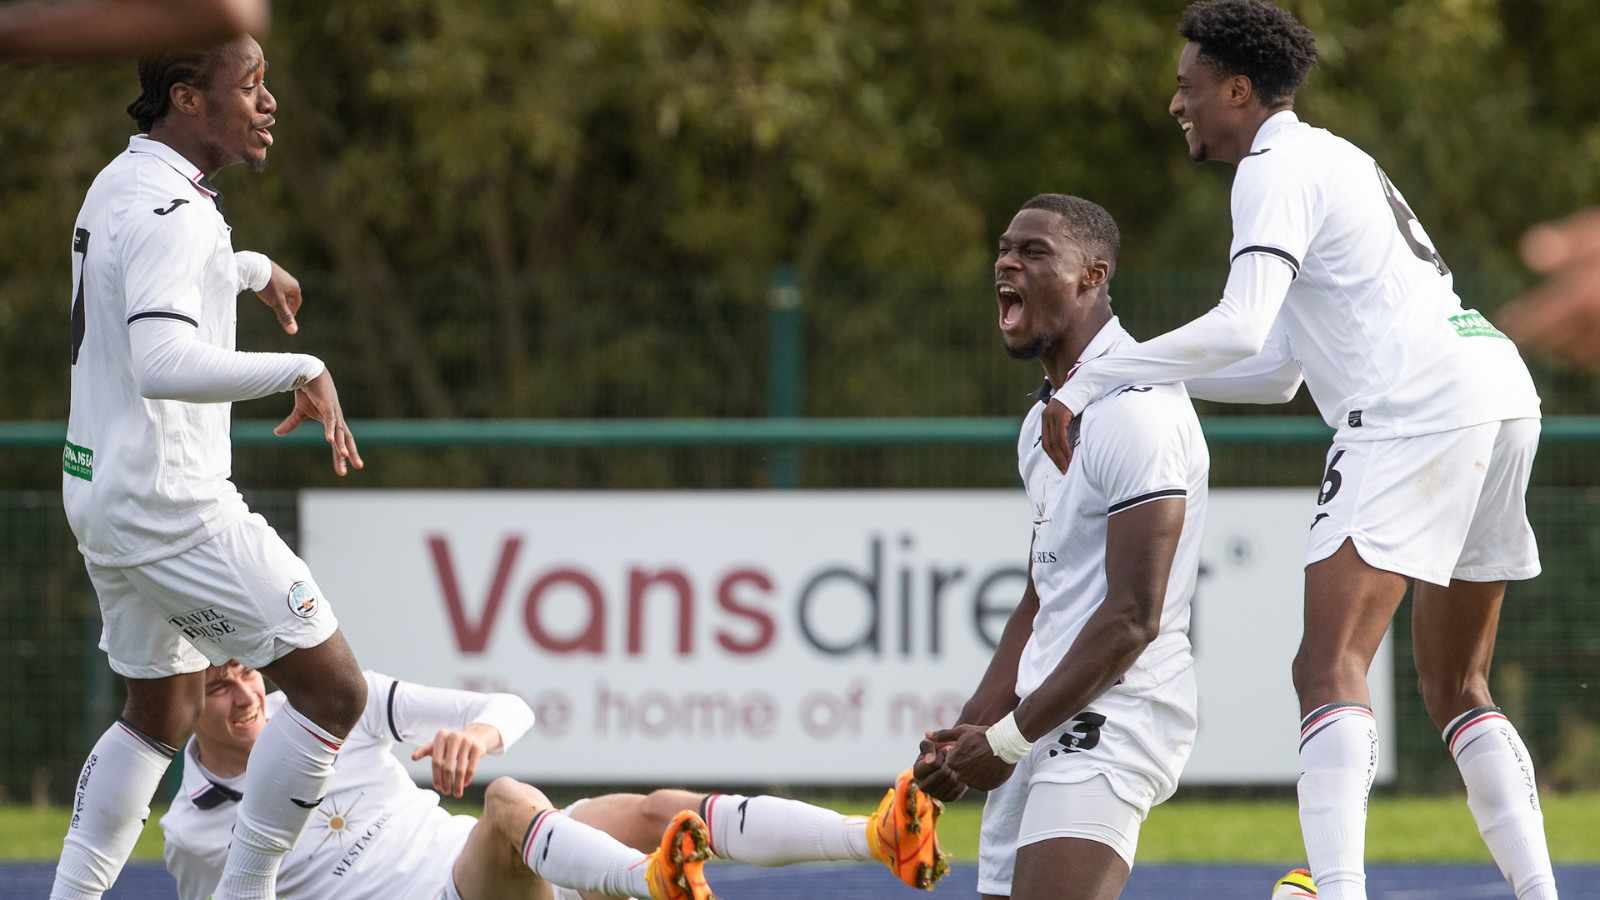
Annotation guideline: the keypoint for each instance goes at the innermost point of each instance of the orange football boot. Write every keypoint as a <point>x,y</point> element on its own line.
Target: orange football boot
<point>903,834</point>
<point>677,870</point>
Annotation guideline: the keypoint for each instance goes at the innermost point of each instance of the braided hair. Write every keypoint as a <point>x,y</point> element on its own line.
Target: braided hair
<point>157,75</point>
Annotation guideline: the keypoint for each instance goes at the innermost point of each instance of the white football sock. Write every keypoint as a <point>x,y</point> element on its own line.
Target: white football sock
<point>1503,797</point>
<point>109,811</point>
<point>290,767</point>
<point>566,852</point>
<point>1338,759</point>
<point>772,831</point>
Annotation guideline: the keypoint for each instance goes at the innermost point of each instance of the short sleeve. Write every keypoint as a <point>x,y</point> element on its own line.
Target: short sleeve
<point>164,260</point>
<point>1139,452</point>
<point>1277,208</point>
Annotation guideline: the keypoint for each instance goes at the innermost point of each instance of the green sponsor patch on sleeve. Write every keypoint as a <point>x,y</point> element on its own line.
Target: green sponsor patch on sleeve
<point>78,461</point>
<point>1472,324</point>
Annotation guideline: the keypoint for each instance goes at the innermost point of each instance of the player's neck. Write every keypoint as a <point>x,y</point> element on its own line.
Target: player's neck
<point>192,147</point>
<point>1245,136</point>
<point>1065,352</point>
<point>222,760</point>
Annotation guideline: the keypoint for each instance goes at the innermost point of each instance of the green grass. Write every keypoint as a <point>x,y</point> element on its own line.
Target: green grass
<point>1398,830</point>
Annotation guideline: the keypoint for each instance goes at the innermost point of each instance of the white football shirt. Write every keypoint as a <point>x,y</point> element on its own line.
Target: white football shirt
<point>375,832</point>
<point>147,479</point>
<point>1324,244</point>
<point>1137,444</point>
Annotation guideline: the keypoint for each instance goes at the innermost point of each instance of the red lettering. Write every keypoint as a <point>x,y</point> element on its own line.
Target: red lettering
<point>639,583</point>
<point>592,639</point>
<point>472,638</point>
<point>766,629</point>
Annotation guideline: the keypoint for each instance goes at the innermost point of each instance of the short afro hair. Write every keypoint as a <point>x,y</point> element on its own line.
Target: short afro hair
<point>1083,222</point>
<point>1256,39</point>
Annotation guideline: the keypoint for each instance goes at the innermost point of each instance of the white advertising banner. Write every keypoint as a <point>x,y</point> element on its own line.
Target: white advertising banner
<point>767,637</point>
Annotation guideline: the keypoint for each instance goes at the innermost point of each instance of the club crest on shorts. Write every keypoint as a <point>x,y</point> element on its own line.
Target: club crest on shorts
<point>302,600</point>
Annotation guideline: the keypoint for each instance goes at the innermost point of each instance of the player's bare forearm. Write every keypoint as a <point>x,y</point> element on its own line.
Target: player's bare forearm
<point>91,29</point>
<point>997,691</point>
<point>1140,545</point>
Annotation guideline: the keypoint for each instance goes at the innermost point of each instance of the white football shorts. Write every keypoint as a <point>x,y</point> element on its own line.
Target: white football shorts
<point>241,595</point>
<point>1435,506</point>
<point>1095,777</point>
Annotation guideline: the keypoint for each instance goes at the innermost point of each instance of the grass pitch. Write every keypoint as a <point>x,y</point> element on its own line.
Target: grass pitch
<point>1425,829</point>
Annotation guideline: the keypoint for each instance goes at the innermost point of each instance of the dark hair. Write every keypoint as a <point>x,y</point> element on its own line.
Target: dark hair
<point>1255,39</point>
<point>1085,223</point>
<point>157,75</point>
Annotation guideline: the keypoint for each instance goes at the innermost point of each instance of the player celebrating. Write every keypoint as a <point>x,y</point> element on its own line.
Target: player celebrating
<point>377,835</point>
<point>183,570</point>
<point>1098,649</point>
<point>1437,420</point>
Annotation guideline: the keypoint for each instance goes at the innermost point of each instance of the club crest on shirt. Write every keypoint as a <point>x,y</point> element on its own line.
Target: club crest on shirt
<point>302,600</point>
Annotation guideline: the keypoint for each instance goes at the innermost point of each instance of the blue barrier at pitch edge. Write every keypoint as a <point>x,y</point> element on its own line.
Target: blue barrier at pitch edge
<point>149,881</point>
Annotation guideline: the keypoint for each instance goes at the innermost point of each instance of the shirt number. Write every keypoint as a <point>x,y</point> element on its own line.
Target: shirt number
<point>1409,226</point>
<point>80,246</point>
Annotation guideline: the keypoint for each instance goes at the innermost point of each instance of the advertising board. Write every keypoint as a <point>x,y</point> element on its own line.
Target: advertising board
<point>765,637</point>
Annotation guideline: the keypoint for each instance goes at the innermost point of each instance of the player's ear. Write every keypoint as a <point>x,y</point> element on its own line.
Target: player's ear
<point>187,99</point>
<point>1240,90</point>
<point>1095,274</point>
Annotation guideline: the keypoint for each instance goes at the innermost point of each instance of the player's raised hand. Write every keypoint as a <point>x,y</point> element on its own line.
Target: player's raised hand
<point>970,756</point>
<point>282,296</point>
<point>456,754</point>
<point>1562,315</point>
<point>318,401</point>
<point>934,775</point>
<point>1053,433</point>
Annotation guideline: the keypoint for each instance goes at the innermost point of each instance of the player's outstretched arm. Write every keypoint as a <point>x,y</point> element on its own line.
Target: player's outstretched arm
<point>456,728</point>
<point>96,29</point>
<point>318,401</point>
<point>1271,376</point>
<point>1140,544</point>
<point>1561,316</point>
<point>1235,329</point>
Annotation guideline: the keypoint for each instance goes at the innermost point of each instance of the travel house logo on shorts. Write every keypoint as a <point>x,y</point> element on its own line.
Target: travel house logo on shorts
<point>302,600</point>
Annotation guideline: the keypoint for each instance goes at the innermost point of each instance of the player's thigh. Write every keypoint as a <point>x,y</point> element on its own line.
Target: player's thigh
<point>997,835</point>
<point>135,634</point>
<point>1406,503</point>
<point>242,595</point>
<point>1075,842</point>
<point>1500,544</point>
<point>1452,636</point>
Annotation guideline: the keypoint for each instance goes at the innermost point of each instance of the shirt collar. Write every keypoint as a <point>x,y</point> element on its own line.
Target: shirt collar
<point>1110,336</point>
<point>141,143</point>
<point>205,790</point>
<point>1271,128</point>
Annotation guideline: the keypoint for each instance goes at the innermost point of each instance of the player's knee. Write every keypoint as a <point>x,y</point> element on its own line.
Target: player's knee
<point>507,798</point>
<point>660,806</point>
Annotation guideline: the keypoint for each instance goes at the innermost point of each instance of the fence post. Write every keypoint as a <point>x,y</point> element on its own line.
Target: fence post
<point>785,321</point>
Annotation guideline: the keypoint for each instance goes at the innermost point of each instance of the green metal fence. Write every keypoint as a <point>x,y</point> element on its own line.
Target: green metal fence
<point>59,695</point>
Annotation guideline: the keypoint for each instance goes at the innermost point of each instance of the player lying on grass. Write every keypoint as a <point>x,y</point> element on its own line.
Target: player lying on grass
<point>377,836</point>
<point>1098,649</point>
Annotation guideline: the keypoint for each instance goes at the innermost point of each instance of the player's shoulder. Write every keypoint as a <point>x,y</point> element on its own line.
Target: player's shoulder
<point>1137,415</point>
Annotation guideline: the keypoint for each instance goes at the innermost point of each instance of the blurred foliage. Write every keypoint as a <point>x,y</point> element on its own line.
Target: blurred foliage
<point>484,196</point>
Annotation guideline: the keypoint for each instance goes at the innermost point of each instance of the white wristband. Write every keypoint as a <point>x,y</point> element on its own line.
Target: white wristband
<point>1007,740</point>
<point>255,270</point>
